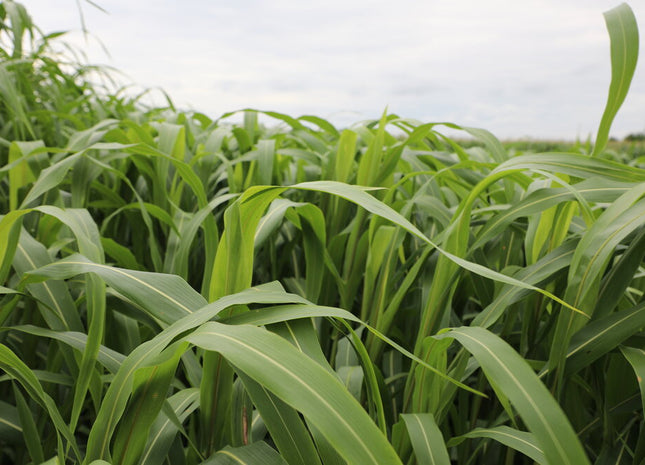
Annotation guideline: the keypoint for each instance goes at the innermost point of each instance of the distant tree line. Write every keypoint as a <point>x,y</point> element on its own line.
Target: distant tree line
<point>635,137</point>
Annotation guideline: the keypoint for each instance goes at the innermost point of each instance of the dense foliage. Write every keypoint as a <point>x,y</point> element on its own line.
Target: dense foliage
<point>177,289</point>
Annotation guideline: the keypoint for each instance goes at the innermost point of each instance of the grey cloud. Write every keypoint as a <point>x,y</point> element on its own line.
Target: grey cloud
<point>539,68</point>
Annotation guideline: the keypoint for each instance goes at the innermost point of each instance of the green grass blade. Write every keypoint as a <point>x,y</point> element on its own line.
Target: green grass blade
<point>623,35</point>
<point>636,358</point>
<point>184,170</point>
<point>328,454</point>
<point>620,276</point>
<point>163,430</point>
<point>371,162</point>
<point>216,398</point>
<point>589,262</point>
<point>369,203</point>
<point>535,405</point>
<point>58,309</point>
<point>89,243</point>
<point>241,416</point>
<point>11,97</point>
<point>149,394</point>
<point>378,265</point>
<point>374,398</point>
<point>53,175</point>
<point>10,429</point>
<point>546,268</point>
<point>352,377</point>
<point>389,315</point>
<point>231,272</point>
<point>519,440</point>
<point>172,140</point>
<point>180,241</point>
<point>303,384</point>
<point>258,453</point>
<point>107,357</point>
<point>20,175</point>
<point>116,397</point>
<point>303,334</point>
<point>591,190</point>
<point>603,335</point>
<point>575,165</point>
<point>166,297</point>
<point>9,233</point>
<point>233,268</point>
<point>312,225</point>
<point>290,312</point>
<point>122,256</point>
<point>29,429</point>
<point>426,438</point>
<point>283,423</point>
<point>266,157</point>
<point>272,220</point>
<point>16,369</point>
<point>496,148</point>
<point>344,157</point>
<point>322,123</point>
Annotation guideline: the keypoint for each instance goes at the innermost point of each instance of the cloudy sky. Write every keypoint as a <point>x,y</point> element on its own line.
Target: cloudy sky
<point>532,68</point>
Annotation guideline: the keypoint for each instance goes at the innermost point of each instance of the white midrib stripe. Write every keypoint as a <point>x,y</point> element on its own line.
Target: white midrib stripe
<point>11,425</point>
<point>600,334</point>
<point>425,438</point>
<point>523,441</point>
<point>237,459</point>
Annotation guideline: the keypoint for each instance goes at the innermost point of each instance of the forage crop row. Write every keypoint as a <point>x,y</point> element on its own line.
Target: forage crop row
<point>181,289</point>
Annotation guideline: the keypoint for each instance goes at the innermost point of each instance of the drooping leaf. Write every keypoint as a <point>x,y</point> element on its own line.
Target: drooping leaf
<point>519,440</point>
<point>303,384</point>
<point>532,400</point>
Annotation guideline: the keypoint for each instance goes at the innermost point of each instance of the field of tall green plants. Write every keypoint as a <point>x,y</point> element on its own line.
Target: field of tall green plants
<point>185,290</point>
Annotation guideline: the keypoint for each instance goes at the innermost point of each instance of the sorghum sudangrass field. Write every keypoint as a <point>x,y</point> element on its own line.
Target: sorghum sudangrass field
<point>176,289</point>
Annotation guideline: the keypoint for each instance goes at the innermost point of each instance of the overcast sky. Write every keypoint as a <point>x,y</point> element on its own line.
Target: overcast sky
<point>531,68</point>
